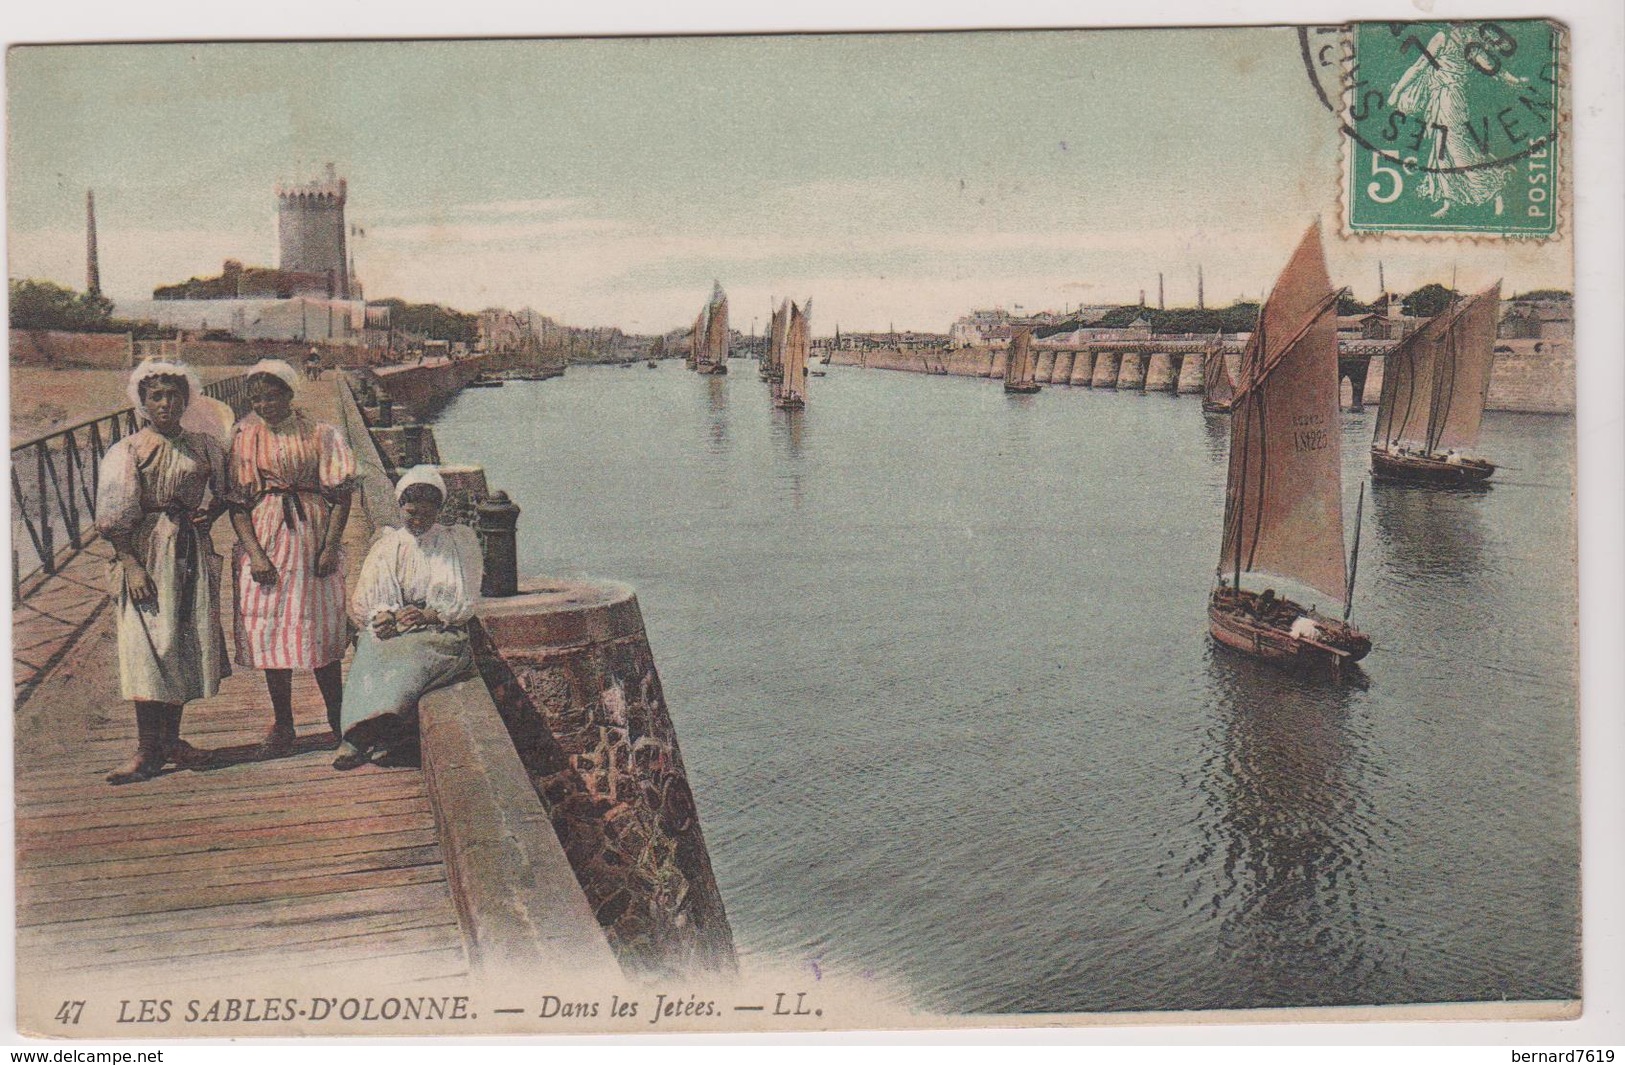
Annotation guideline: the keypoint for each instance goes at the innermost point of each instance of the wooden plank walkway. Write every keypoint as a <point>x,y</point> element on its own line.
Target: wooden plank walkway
<point>282,866</point>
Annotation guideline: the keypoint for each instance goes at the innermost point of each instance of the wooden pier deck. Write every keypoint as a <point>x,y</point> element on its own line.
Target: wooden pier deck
<point>246,866</point>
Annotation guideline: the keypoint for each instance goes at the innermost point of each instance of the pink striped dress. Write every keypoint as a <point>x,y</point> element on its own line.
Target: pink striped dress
<point>289,476</point>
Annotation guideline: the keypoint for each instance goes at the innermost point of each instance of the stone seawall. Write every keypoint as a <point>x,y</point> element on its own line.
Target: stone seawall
<point>1531,376</point>
<point>423,389</point>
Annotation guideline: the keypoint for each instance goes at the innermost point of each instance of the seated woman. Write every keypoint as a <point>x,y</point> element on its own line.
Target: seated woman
<point>412,603</point>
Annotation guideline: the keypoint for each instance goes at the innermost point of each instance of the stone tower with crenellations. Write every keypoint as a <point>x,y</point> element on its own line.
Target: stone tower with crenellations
<point>310,230</point>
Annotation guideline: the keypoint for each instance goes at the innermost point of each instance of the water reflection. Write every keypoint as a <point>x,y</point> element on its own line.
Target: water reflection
<point>1429,533</point>
<point>1216,430</point>
<point>788,427</point>
<point>1286,829</point>
<point>717,409</point>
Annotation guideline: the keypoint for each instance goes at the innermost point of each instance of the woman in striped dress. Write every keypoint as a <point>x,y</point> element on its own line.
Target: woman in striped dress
<point>292,478</point>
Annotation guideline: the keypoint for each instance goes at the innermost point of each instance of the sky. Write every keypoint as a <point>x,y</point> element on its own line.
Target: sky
<point>898,179</point>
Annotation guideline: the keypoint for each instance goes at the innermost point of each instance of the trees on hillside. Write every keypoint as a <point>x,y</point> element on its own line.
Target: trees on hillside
<point>39,304</point>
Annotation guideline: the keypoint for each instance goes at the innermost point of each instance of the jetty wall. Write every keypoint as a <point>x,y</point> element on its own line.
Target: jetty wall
<point>1533,376</point>
<point>587,779</point>
<point>425,388</point>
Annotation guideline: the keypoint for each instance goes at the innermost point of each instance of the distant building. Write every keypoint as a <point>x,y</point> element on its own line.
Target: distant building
<point>310,230</point>
<point>300,318</point>
<point>1547,319</point>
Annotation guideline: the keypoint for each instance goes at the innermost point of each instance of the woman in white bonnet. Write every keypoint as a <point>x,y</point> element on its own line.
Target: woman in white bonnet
<point>150,506</point>
<point>292,477</point>
<point>412,603</point>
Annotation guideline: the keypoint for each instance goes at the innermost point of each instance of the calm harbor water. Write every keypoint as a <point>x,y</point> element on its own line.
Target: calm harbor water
<point>939,664</point>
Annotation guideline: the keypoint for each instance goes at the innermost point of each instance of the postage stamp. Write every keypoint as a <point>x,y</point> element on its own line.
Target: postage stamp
<point>1453,128</point>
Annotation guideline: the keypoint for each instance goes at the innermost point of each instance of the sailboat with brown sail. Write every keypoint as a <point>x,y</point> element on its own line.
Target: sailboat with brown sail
<point>711,334</point>
<point>1019,368</point>
<point>773,361</point>
<point>1283,507</point>
<point>1218,388</point>
<point>791,388</point>
<point>1434,387</point>
<point>696,341</point>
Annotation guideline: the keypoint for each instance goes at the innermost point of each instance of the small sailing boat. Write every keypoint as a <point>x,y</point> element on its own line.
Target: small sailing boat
<point>1283,504</point>
<point>1218,389</point>
<point>1434,387</point>
<point>1018,368</point>
<point>773,361</point>
<point>711,334</point>
<point>790,391</point>
<point>657,351</point>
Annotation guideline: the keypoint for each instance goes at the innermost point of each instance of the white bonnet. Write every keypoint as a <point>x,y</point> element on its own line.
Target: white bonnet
<point>278,369</point>
<point>161,368</point>
<point>428,475</point>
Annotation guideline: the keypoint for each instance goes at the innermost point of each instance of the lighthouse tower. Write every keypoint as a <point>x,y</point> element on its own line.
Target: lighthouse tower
<point>310,231</point>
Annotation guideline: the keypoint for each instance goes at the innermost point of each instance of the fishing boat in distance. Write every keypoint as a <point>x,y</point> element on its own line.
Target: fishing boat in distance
<point>1283,504</point>
<point>1434,387</point>
<point>657,351</point>
<point>790,391</point>
<point>709,349</point>
<point>1018,368</point>
<point>773,359</point>
<point>1218,390</point>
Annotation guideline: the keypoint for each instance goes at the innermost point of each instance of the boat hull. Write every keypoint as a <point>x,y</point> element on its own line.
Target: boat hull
<point>1233,622</point>
<point>1023,390</point>
<point>715,369</point>
<point>1216,406</point>
<point>1419,469</point>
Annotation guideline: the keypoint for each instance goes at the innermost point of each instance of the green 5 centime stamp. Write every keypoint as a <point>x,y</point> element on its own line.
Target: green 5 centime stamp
<point>1454,127</point>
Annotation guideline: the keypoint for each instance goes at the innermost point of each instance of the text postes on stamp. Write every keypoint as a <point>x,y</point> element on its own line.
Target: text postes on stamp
<point>1453,128</point>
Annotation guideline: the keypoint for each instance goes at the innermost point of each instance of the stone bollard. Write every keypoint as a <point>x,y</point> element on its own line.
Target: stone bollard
<point>1083,369</point>
<point>1190,374</point>
<point>386,412</point>
<point>1159,373</point>
<point>497,523</point>
<point>1105,370</point>
<point>1063,368</point>
<point>569,666</point>
<point>1001,359</point>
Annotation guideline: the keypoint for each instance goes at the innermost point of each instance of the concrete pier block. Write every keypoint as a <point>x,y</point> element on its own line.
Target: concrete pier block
<point>569,666</point>
<point>1373,381</point>
<point>1131,374</point>
<point>1046,367</point>
<point>1083,369</point>
<point>1063,368</point>
<point>1190,374</point>
<point>1159,373</point>
<point>1105,375</point>
<point>465,488</point>
<point>1000,360</point>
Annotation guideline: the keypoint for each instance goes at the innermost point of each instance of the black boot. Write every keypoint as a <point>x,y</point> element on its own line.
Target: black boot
<point>149,756</point>
<point>335,721</point>
<point>177,750</point>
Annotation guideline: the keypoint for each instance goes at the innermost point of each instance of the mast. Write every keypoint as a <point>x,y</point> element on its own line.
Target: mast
<point>1283,492</point>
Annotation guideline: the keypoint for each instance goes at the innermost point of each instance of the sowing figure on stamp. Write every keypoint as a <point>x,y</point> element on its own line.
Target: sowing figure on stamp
<point>1434,91</point>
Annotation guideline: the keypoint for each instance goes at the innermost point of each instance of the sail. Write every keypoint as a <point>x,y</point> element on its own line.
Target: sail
<point>1018,369</point>
<point>716,329</point>
<point>1284,495</point>
<point>696,341</point>
<point>1217,386</point>
<point>797,340</point>
<point>1409,373</point>
<point>775,345</point>
<point>1468,351</point>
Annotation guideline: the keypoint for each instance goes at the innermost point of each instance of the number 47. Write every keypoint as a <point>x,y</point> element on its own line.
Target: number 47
<point>70,1012</point>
